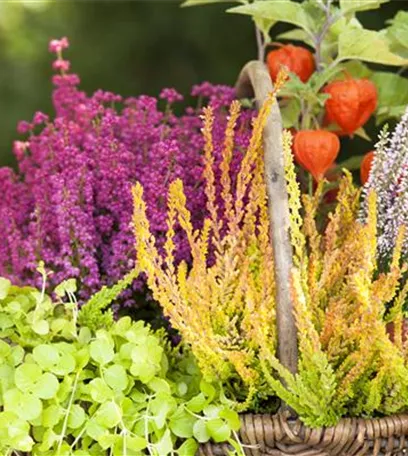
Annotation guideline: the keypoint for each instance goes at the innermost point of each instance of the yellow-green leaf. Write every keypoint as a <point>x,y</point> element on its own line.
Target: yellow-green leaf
<point>367,45</point>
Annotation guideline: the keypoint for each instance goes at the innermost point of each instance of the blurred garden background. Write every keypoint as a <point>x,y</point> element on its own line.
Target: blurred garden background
<point>128,47</point>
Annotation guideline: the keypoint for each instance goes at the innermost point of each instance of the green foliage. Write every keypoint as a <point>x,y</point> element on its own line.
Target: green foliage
<point>117,389</point>
<point>94,314</point>
<point>338,39</point>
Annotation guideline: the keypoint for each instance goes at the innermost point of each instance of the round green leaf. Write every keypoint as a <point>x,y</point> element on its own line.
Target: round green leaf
<point>52,415</point>
<point>116,377</point>
<point>108,415</point>
<point>47,356</point>
<point>76,417</point>
<point>101,351</point>
<point>41,327</point>
<point>26,375</point>
<point>46,386</point>
<point>188,448</point>
<point>200,431</point>
<point>181,423</point>
<point>25,405</point>
<point>218,430</point>
<point>95,430</point>
<point>17,355</point>
<point>100,391</point>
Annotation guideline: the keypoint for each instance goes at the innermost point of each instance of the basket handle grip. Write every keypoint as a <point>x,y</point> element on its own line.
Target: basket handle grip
<point>254,80</point>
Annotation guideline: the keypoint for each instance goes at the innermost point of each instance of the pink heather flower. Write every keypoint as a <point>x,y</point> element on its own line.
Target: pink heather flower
<point>24,127</point>
<point>57,46</point>
<point>19,149</point>
<point>70,202</point>
<point>60,64</point>
<point>39,118</point>
<point>170,95</point>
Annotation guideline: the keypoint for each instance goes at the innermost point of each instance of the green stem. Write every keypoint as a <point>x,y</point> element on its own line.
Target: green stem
<point>65,425</point>
<point>310,184</point>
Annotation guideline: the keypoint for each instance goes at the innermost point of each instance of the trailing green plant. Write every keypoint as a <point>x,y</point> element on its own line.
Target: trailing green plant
<point>224,307</point>
<point>119,389</point>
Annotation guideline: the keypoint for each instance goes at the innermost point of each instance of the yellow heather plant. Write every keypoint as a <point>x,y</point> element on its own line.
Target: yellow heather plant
<point>223,304</point>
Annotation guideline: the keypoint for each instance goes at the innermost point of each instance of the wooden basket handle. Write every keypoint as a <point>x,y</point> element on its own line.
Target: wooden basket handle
<point>254,80</point>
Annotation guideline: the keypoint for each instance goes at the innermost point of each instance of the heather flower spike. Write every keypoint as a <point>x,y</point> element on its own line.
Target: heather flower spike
<point>389,179</point>
<point>70,201</point>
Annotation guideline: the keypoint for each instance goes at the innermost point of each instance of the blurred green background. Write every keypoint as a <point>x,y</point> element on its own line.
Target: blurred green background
<point>128,47</point>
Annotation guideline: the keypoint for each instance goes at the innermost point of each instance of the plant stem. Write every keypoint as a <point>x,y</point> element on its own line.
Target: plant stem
<point>65,424</point>
<point>319,38</point>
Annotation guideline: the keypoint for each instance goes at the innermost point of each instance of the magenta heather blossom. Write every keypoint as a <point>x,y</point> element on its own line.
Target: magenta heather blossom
<point>70,202</point>
<point>170,95</point>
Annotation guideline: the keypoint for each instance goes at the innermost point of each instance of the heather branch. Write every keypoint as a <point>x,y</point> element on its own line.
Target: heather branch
<point>255,79</point>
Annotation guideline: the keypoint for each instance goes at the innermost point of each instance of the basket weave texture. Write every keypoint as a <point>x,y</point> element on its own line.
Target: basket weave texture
<point>275,435</point>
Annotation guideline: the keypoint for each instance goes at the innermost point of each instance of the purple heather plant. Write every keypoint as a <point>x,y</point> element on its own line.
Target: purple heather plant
<point>70,205</point>
<point>389,179</point>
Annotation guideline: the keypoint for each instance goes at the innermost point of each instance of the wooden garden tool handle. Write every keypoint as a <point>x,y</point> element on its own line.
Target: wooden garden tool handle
<point>254,79</point>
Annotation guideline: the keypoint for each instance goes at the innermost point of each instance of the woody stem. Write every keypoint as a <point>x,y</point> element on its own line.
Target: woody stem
<point>319,38</point>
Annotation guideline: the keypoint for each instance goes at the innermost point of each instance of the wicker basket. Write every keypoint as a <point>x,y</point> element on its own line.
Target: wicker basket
<point>281,435</point>
<point>275,435</point>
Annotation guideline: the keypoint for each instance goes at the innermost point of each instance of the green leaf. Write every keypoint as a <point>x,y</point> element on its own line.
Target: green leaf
<point>95,430</point>
<point>164,446</point>
<point>76,417</point>
<point>101,351</point>
<point>108,415</point>
<point>392,89</point>
<point>160,407</point>
<point>356,69</point>
<point>52,415</point>
<point>290,112</point>
<point>367,45</point>
<point>47,356</point>
<point>136,443</point>
<point>296,35</point>
<point>115,376</point>
<point>159,385</point>
<point>284,11</point>
<point>100,391</point>
<point>46,386</point>
<point>181,423</point>
<point>208,390</point>
<point>41,327</point>
<point>352,6</point>
<point>16,355</point>
<point>22,442</point>
<point>26,375</point>
<point>197,403</point>
<point>200,431</point>
<point>188,448</point>
<point>212,411</point>
<point>5,285</point>
<point>84,336</point>
<point>231,417</point>
<point>25,405</point>
<point>397,33</point>
<point>219,431</point>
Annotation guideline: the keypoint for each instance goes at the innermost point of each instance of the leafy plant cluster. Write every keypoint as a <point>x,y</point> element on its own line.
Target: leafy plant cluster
<point>340,44</point>
<point>336,83</point>
<point>224,307</point>
<point>119,390</point>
